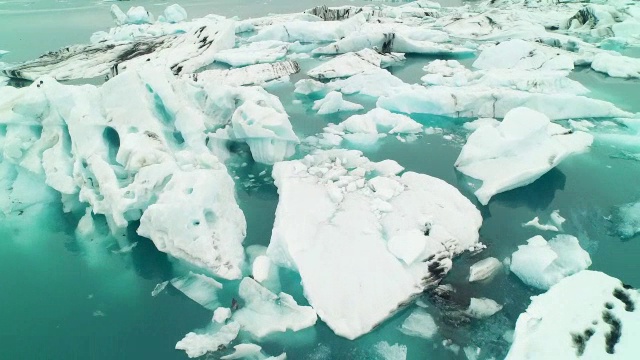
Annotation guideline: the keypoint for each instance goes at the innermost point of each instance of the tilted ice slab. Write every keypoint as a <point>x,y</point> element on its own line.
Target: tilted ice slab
<point>386,237</point>
<point>588,315</point>
<point>199,288</point>
<point>258,74</point>
<point>183,53</point>
<point>525,146</point>
<point>264,312</point>
<point>542,264</point>
<point>253,53</point>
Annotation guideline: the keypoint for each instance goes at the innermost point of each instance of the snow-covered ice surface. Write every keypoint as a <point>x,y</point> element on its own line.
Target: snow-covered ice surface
<point>386,237</point>
<point>173,170</point>
<point>589,315</point>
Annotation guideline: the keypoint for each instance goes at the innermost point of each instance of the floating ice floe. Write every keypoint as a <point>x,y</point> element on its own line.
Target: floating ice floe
<point>588,315</point>
<point>484,269</point>
<point>517,152</point>
<point>542,264</point>
<point>214,338</point>
<point>309,31</point>
<point>419,323</point>
<point>387,237</point>
<point>221,315</point>
<point>333,103</point>
<point>391,352</point>
<point>258,74</point>
<point>135,15</point>
<point>616,65</point>
<point>364,130</point>
<point>536,224</point>
<point>349,64</point>
<point>253,53</point>
<point>173,14</point>
<point>251,352</point>
<point>482,308</point>
<point>264,312</point>
<point>627,218</point>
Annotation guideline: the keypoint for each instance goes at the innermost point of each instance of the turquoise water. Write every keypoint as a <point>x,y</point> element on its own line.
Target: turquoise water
<point>64,297</point>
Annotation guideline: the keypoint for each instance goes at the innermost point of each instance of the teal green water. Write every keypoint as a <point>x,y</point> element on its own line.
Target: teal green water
<point>65,297</point>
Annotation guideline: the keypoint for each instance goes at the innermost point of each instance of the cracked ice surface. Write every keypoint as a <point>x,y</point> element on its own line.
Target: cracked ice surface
<point>386,237</point>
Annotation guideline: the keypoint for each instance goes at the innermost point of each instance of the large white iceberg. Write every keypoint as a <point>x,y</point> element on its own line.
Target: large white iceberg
<point>517,152</point>
<point>588,315</point>
<point>359,230</point>
<point>542,264</point>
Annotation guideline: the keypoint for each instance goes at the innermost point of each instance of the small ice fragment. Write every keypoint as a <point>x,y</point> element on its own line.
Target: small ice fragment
<point>159,288</point>
<point>536,224</point>
<point>419,323</point>
<point>482,308</point>
<point>125,249</point>
<point>391,352</point>
<point>484,269</point>
<point>556,219</point>
<point>196,345</point>
<point>221,314</point>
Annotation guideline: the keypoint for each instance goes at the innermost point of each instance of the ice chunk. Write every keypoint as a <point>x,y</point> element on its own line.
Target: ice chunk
<point>542,264</point>
<point>476,124</point>
<point>310,86</point>
<point>261,268</point>
<point>364,61</point>
<point>199,288</point>
<point>309,31</point>
<point>207,232</point>
<point>616,66</point>
<point>221,314</point>
<point>419,323</point>
<point>482,308</point>
<point>251,352</point>
<point>258,74</point>
<point>264,312</point>
<point>174,14</point>
<point>333,102</point>
<point>391,352</point>
<point>212,340</point>
<point>517,152</point>
<point>329,239</point>
<point>588,315</point>
<point>628,220</point>
<point>484,269</point>
<point>536,224</point>
<point>253,53</point>
<point>373,83</point>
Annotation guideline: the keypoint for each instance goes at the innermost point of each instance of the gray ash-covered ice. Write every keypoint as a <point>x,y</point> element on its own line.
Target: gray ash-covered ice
<point>387,237</point>
<point>588,315</point>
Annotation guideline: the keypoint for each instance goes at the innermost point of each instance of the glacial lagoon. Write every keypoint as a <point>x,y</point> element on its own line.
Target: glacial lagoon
<point>86,292</point>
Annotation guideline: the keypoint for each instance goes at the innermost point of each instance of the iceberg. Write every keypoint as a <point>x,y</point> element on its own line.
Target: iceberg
<point>181,53</point>
<point>264,312</point>
<point>135,15</point>
<point>333,103</point>
<point>517,152</point>
<point>353,63</point>
<point>361,209</point>
<point>174,14</point>
<point>309,31</point>
<point>258,74</point>
<point>251,352</point>
<point>542,264</point>
<point>391,352</point>
<point>523,55</point>
<point>588,315</point>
